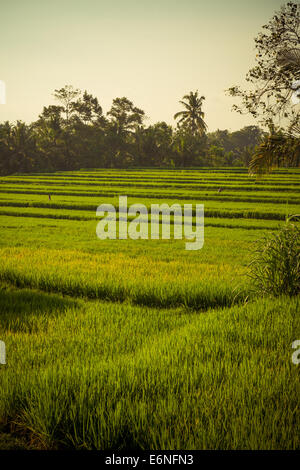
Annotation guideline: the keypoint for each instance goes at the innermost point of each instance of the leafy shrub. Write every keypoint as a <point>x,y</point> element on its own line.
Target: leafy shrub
<point>276,268</point>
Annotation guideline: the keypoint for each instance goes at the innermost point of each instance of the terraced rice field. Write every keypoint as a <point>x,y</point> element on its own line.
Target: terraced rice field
<point>141,344</point>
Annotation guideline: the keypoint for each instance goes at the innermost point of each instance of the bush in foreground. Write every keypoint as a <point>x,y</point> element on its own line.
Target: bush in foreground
<point>276,267</point>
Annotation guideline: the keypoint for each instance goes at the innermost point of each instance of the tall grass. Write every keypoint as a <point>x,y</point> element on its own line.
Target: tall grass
<point>276,267</point>
<point>111,376</point>
<point>141,344</point>
<point>118,277</point>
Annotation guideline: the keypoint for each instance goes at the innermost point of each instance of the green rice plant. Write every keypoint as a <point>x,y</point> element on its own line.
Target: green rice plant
<point>108,375</point>
<point>141,344</point>
<point>276,267</point>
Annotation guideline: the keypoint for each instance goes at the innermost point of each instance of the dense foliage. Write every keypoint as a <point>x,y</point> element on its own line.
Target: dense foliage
<point>273,96</point>
<point>77,134</point>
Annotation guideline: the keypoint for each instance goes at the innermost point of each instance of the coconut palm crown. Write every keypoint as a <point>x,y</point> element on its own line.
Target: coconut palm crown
<point>192,117</point>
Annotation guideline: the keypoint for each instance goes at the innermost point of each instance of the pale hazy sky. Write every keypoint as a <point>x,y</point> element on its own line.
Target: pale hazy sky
<point>151,51</point>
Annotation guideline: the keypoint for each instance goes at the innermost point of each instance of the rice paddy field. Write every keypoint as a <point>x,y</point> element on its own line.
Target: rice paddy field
<point>142,344</point>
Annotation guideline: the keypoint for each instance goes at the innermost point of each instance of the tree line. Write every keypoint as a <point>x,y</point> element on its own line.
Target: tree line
<point>75,133</point>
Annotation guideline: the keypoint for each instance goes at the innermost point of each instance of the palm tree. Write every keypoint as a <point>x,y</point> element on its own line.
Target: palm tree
<point>193,116</point>
<point>277,149</point>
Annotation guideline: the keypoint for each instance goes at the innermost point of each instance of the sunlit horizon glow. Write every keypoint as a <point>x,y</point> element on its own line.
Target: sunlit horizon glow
<point>151,52</point>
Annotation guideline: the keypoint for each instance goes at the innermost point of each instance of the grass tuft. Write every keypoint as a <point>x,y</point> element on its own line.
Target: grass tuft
<point>276,267</point>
